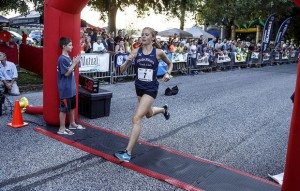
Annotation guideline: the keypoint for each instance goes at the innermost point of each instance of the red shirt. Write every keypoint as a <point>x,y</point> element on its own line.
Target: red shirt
<point>24,37</point>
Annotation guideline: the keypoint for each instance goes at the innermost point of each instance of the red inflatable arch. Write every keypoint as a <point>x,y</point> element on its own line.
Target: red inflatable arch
<point>291,179</point>
<point>62,18</point>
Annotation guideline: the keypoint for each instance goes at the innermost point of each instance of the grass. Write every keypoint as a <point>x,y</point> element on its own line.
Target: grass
<point>28,78</point>
<point>29,81</point>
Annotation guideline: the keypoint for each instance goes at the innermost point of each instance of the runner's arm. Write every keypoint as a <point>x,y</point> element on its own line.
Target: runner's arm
<point>128,61</point>
<point>162,55</point>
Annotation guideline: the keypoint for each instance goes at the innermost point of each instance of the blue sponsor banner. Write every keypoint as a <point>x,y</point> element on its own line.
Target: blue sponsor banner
<point>162,66</point>
<point>267,32</point>
<point>120,59</point>
<point>281,31</point>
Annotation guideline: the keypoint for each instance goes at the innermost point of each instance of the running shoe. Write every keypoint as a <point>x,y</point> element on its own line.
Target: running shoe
<point>166,113</point>
<point>123,156</point>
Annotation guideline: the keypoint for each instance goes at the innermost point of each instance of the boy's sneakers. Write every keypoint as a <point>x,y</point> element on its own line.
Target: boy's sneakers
<point>166,113</point>
<point>123,156</point>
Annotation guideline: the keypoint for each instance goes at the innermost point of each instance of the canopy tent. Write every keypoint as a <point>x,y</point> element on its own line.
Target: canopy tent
<point>32,18</point>
<point>85,24</point>
<point>171,32</point>
<point>196,31</point>
<point>214,30</point>
<point>3,21</point>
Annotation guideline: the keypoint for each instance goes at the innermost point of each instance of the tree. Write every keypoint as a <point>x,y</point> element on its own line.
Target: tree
<point>242,11</point>
<point>108,8</point>
<point>21,6</point>
<point>179,9</point>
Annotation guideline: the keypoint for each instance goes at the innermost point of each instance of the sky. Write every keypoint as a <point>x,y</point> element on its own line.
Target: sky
<point>128,20</point>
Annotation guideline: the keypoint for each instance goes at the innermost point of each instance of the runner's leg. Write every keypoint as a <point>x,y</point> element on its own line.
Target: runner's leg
<point>145,103</point>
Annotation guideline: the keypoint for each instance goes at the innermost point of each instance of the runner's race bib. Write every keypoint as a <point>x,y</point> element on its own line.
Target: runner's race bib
<point>145,74</point>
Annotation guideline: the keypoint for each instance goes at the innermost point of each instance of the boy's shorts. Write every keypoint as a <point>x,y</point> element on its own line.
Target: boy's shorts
<point>67,104</point>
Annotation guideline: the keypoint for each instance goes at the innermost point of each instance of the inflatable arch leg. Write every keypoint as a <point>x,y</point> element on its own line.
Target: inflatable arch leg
<point>62,18</point>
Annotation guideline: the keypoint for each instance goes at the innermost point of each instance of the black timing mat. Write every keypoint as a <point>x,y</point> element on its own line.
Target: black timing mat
<point>179,169</point>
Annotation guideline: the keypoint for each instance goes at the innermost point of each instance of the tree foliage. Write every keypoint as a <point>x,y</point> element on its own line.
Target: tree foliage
<point>245,11</point>
<point>179,9</point>
<point>242,11</point>
<point>108,8</point>
<point>20,6</point>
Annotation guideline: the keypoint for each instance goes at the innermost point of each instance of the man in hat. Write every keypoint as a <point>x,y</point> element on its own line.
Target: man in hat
<point>8,76</point>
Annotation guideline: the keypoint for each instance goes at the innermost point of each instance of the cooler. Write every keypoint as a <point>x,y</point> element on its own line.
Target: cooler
<point>94,105</point>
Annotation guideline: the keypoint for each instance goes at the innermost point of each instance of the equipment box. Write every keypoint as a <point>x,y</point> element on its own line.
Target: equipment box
<point>90,84</point>
<point>94,105</point>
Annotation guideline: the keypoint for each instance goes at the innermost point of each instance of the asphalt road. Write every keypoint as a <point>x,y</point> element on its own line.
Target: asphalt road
<point>239,118</point>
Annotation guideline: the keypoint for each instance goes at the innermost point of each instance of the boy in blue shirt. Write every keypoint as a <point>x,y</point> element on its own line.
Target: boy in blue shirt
<point>67,86</point>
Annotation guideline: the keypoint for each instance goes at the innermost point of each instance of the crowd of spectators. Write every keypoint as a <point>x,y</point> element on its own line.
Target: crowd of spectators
<point>94,41</point>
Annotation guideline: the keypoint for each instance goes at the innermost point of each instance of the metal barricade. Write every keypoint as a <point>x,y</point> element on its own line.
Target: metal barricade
<point>96,66</point>
<point>118,60</point>
<point>223,61</point>
<point>266,59</point>
<point>254,59</point>
<point>285,57</point>
<point>294,56</point>
<point>180,63</point>
<point>106,67</point>
<point>240,59</point>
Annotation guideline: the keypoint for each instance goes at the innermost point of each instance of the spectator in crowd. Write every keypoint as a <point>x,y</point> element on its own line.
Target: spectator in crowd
<point>8,75</point>
<point>104,40</point>
<point>200,40</point>
<point>138,43</point>
<point>24,38</point>
<point>88,47</point>
<point>120,47</point>
<point>131,43</point>
<point>251,47</point>
<point>111,41</point>
<point>89,32</point>
<point>192,52</point>
<point>164,46</point>
<point>173,46</point>
<point>179,48</point>
<point>94,36</point>
<point>82,42</point>
<point>156,43</point>
<point>225,44</point>
<point>98,46</point>
<point>218,44</point>
<point>119,37</point>
<point>175,38</point>
<point>200,47</point>
<point>212,42</point>
<point>127,43</point>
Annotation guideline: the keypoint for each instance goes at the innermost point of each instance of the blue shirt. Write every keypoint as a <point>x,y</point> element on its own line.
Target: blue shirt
<point>66,84</point>
<point>146,67</point>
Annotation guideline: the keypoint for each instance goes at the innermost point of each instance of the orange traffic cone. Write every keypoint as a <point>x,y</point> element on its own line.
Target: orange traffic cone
<point>17,120</point>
